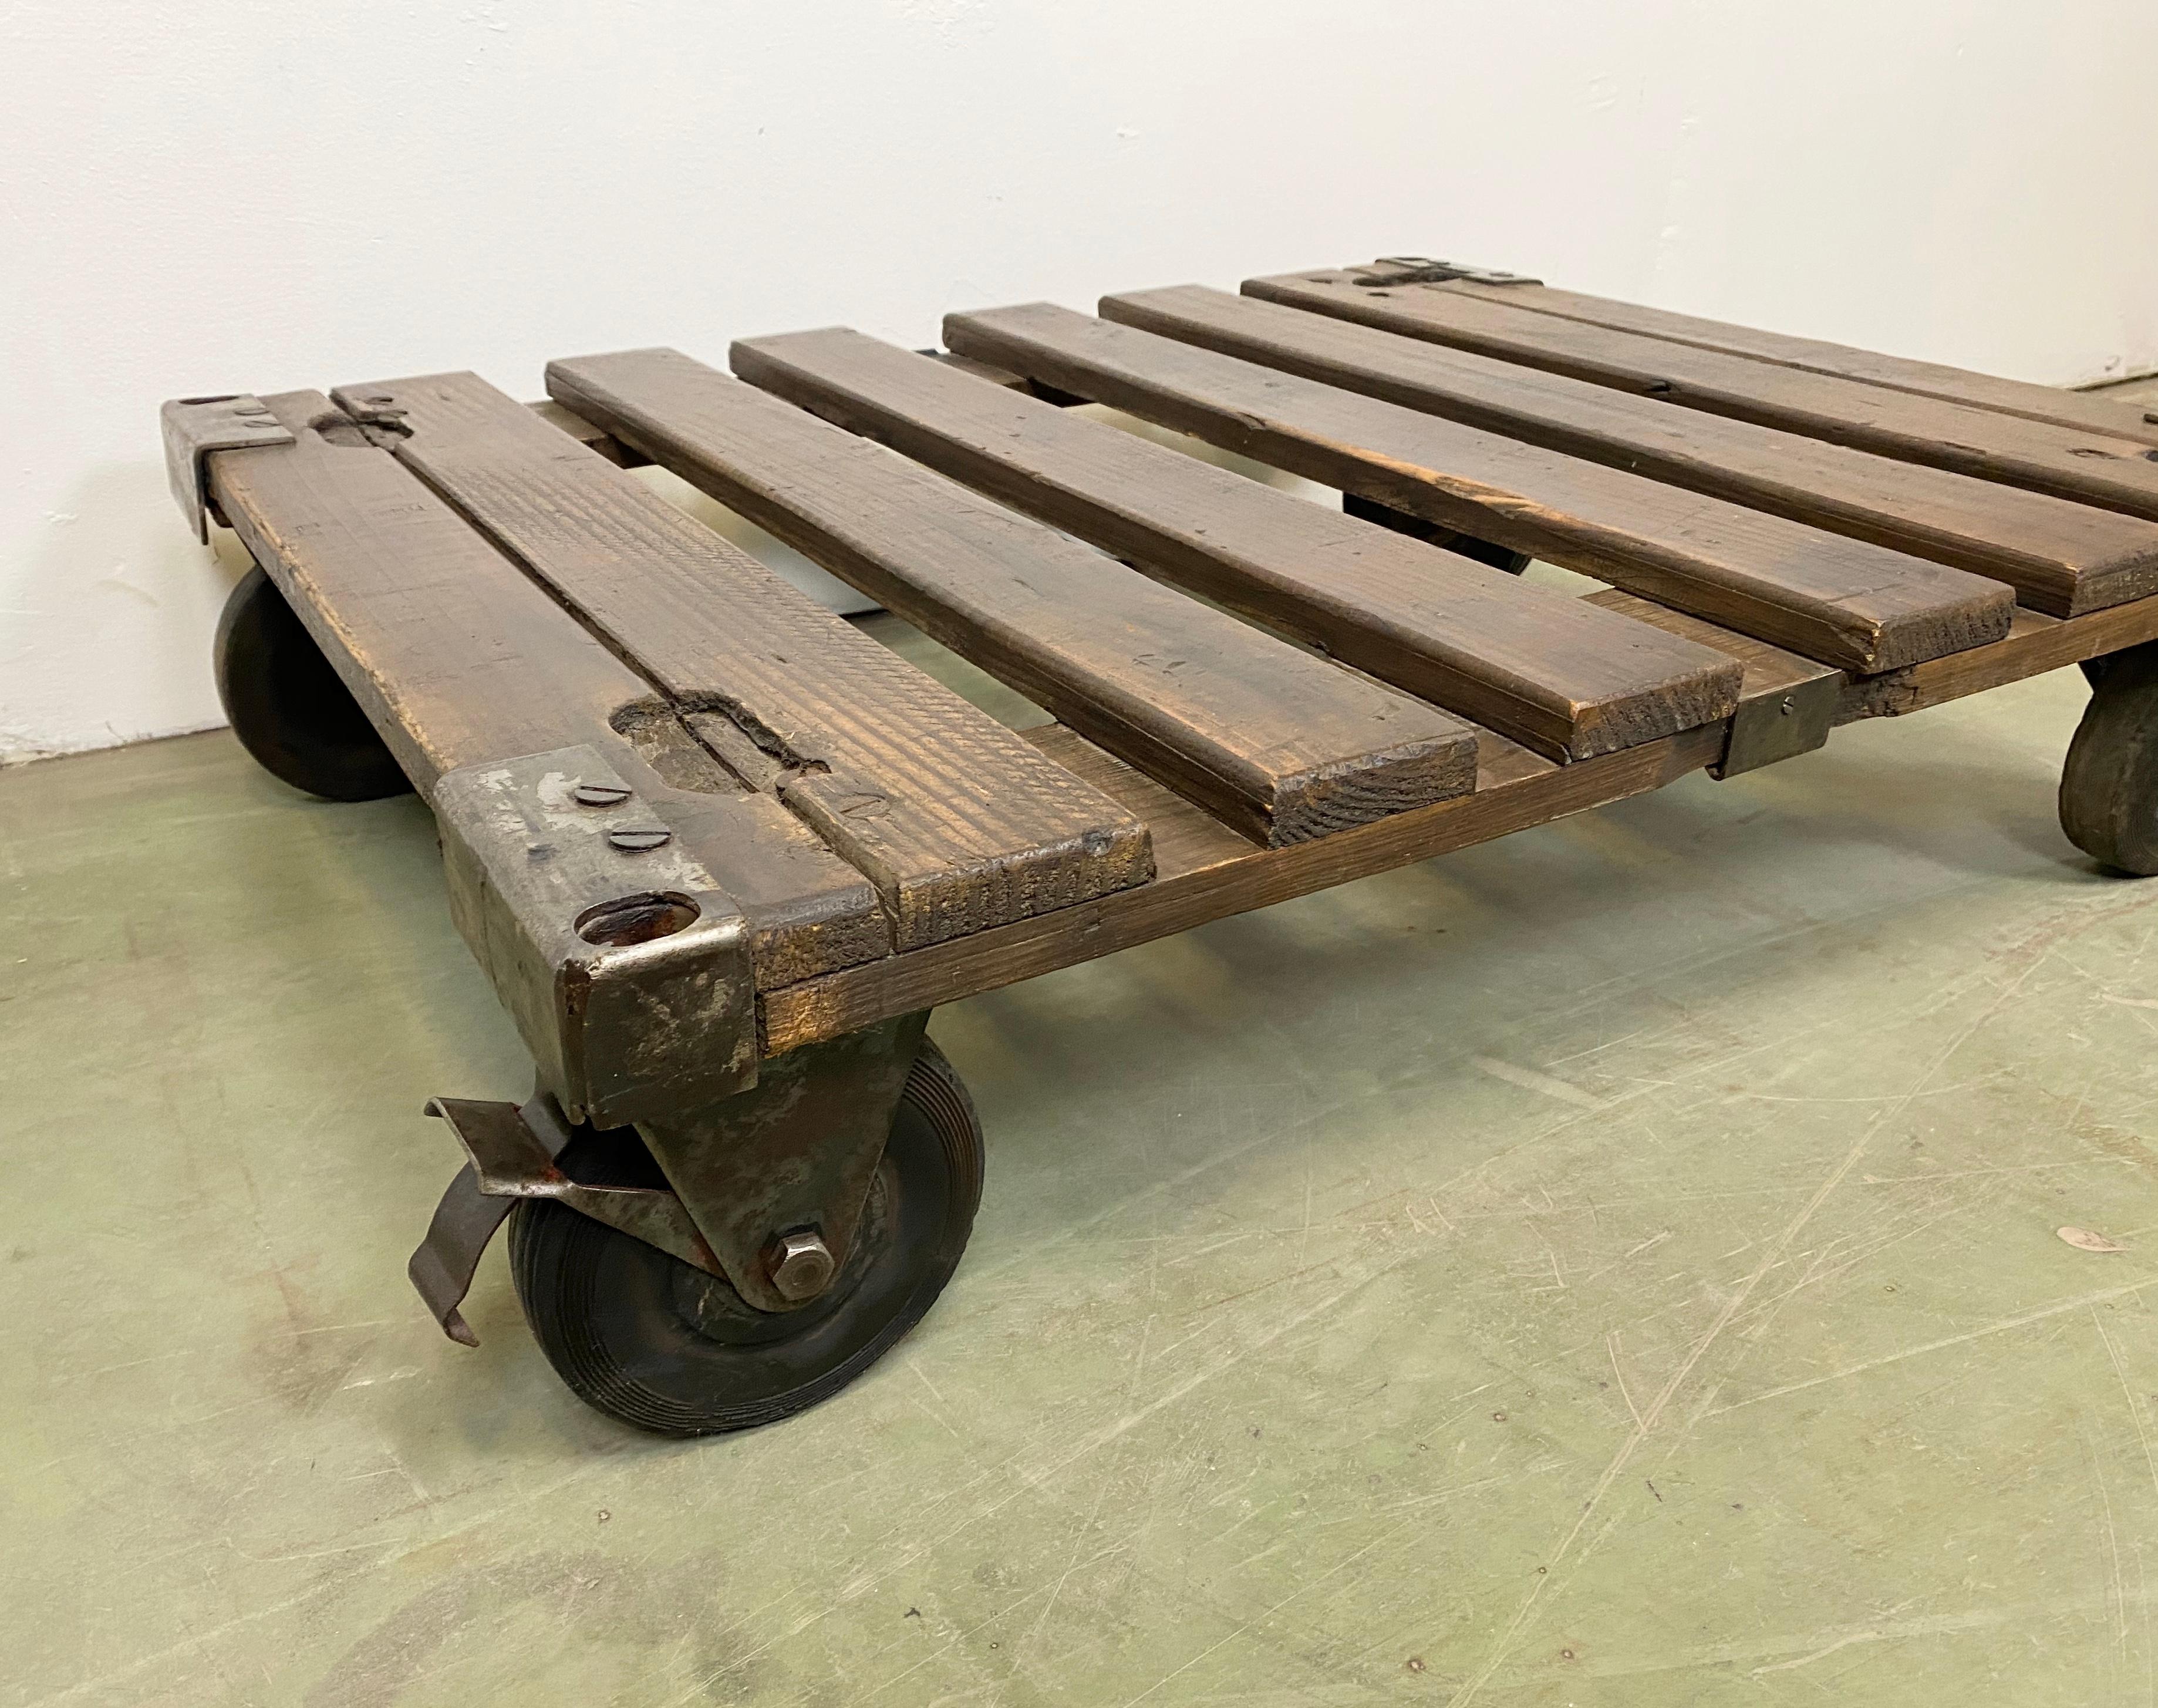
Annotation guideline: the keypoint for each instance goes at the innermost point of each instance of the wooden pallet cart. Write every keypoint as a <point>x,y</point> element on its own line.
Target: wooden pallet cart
<point>721,853</point>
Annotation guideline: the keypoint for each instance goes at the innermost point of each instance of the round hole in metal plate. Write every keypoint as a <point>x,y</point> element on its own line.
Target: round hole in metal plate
<point>636,919</point>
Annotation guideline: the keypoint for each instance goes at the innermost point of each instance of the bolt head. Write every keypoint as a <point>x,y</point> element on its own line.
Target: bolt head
<point>800,1265</point>
<point>640,838</point>
<point>599,795</point>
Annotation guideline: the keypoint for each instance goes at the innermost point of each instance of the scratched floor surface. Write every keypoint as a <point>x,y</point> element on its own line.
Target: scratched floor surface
<point>1616,1266</point>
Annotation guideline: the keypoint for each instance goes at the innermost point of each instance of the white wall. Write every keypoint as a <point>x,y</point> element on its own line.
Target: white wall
<point>211,195</point>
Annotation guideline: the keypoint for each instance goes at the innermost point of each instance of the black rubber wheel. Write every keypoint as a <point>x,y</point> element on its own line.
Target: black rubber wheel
<point>290,711</point>
<point>2109,781</point>
<point>648,1338</point>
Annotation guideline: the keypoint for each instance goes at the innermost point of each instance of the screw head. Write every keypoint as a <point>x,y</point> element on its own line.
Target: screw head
<point>599,795</point>
<point>640,838</point>
<point>800,1265</point>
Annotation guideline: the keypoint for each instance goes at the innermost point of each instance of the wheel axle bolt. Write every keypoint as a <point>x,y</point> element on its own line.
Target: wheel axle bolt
<point>800,1265</point>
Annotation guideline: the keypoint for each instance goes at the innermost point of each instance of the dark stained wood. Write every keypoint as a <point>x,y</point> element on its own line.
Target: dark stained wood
<point>1562,677</point>
<point>459,659</point>
<point>1845,601</point>
<point>2070,462</point>
<point>2062,558</point>
<point>2081,410</point>
<point>958,823</point>
<point>1285,745</point>
<point>2037,644</point>
<point>1787,703</point>
<point>1221,880</point>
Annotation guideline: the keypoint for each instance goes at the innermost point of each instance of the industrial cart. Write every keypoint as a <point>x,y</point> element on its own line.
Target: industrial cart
<point>721,853</point>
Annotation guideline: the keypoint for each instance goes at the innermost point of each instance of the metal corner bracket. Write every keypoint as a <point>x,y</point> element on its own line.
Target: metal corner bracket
<point>1423,269</point>
<point>625,966</point>
<point>195,426</point>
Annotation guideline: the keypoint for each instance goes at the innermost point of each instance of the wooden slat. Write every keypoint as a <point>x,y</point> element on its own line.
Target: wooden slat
<point>2063,558</point>
<point>1845,601</point>
<point>958,823</point>
<point>1566,680</point>
<point>1221,879</point>
<point>1285,745</point>
<point>2036,645</point>
<point>459,659</point>
<point>2070,463</point>
<point>2081,410</point>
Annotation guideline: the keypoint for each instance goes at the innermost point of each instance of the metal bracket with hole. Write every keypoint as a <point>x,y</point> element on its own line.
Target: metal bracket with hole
<point>512,1153</point>
<point>1421,269</point>
<point>195,426</point>
<point>625,966</point>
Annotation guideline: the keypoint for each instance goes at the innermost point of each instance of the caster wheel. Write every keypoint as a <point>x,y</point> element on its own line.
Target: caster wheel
<point>2110,782</point>
<point>287,706</point>
<point>649,1340</point>
<point>1483,551</point>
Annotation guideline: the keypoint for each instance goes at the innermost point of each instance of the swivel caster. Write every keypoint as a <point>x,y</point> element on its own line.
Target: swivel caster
<point>2109,781</point>
<point>658,1343</point>
<point>287,706</point>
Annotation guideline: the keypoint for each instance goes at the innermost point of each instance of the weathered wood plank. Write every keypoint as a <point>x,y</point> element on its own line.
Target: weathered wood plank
<point>1223,880</point>
<point>2037,644</point>
<point>958,823</point>
<point>1285,745</point>
<point>459,659</point>
<point>2081,410</point>
<point>1568,680</point>
<point>1255,729</point>
<point>2070,463</point>
<point>2061,557</point>
<point>1845,601</point>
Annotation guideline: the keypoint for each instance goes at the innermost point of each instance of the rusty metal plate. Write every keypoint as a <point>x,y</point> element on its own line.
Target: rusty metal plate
<point>1779,726</point>
<point>625,966</point>
<point>195,426</point>
<point>798,1153</point>
<point>1423,269</point>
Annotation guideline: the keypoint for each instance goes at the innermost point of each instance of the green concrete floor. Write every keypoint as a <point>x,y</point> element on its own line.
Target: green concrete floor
<point>1613,1265</point>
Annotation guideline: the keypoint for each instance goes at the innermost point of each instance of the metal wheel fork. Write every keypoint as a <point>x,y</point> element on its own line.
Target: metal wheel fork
<point>768,1186</point>
<point>627,970</point>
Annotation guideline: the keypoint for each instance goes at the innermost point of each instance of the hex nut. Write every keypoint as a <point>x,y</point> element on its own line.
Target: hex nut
<point>800,1265</point>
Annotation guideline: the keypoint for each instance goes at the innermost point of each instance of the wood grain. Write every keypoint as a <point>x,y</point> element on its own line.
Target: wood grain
<point>2080,410</point>
<point>1567,679</point>
<point>1844,601</point>
<point>459,659</point>
<point>2037,644</point>
<point>2061,557</point>
<point>2070,462</point>
<point>958,823</point>
<point>1283,744</point>
<point>1222,878</point>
